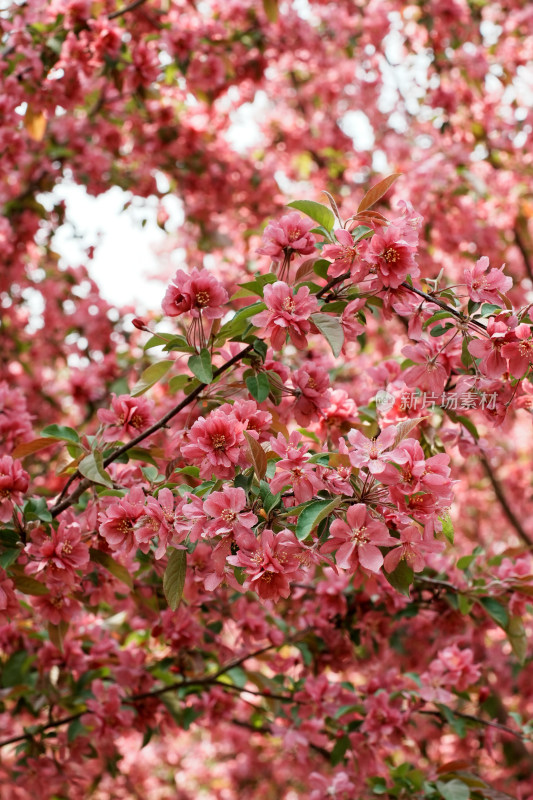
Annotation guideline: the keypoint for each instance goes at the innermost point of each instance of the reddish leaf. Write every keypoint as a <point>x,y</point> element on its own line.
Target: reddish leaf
<point>377,191</point>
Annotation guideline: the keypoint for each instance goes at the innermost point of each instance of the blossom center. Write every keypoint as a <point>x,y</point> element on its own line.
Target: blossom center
<point>289,305</point>
<point>203,298</point>
<point>391,255</point>
<point>359,536</point>
<point>218,441</point>
<point>228,515</point>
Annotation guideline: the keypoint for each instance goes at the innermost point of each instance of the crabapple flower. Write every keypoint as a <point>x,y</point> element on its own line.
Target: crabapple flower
<point>357,541</point>
<point>8,600</point>
<point>14,481</point>
<point>128,416</point>
<point>286,314</point>
<point>271,565</point>
<point>390,256</point>
<point>376,454</point>
<point>493,364</point>
<point>117,523</point>
<point>293,470</point>
<point>411,549</point>
<point>158,520</point>
<point>428,373</point>
<point>520,353</point>
<point>227,511</point>
<point>486,287</point>
<point>291,233</point>
<point>342,254</point>
<point>216,445</point>
<point>311,383</point>
<point>197,294</point>
<point>61,553</point>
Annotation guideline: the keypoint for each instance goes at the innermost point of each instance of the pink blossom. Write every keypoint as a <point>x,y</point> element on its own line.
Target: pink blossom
<point>489,350</point>
<point>352,325</point>
<point>391,256</point>
<point>311,383</point>
<point>61,553</point>
<point>357,540</point>
<point>293,470</point>
<point>158,520</point>
<point>286,314</point>
<point>376,454</point>
<point>191,519</point>
<point>484,287</point>
<point>8,600</point>
<point>519,353</point>
<point>256,421</point>
<point>216,445</point>
<point>272,564</point>
<point>14,481</point>
<point>127,417</point>
<point>290,234</point>
<point>227,511</point>
<point>117,523</point>
<point>412,549</point>
<point>342,254</point>
<point>197,294</point>
<point>428,374</point>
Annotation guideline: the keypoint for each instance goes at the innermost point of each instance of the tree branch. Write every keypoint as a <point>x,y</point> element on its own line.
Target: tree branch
<point>61,505</point>
<point>131,7</point>
<point>509,513</point>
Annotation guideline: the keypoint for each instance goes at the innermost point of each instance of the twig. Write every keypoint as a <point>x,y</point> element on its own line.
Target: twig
<point>85,483</point>
<point>509,513</point>
<point>131,7</point>
<point>445,307</point>
<point>480,721</point>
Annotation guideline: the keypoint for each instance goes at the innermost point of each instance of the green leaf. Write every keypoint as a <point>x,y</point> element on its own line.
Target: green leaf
<point>151,376</point>
<point>61,432</point>
<point>465,561</point>
<point>200,366</point>
<point>36,508</point>
<point>447,527</point>
<point>112,566</point>
<point>458,724</point>
<point>259,386</point>
<point>466,356</point>
<point>321,267</point>
<point>28,585</point>
<point>158,340</point>
<point>464,603</point>
<point>331,328</point>
<point>92,468</point>
<point>320,213</point>
<point>439,330</point>
<point>174,577</point>
<point>257,286</point>
<point>517,637</point>
<point>9,557</point>
<point>313,514</point>
<point>495,610</point>
<point>16,668</point>
<point>75,729</point>
<point>339,749</point>
<point>402,578</point>
<point>177,383</point>
<point>453,790</point>
<point>238,324</point>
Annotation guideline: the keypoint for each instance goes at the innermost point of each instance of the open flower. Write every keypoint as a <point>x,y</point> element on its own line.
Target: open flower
<point>357,541</point>
<point>216,445</point>
<point>342,254</point>
<point>290,233</point>
<point>197,294</point>
<point>377,454</point>
<point>286,314</point>
<point>274,561</point>
<point>412,550</point>
<point>127,417</point>
<point>14,481</point>
<point>391,256</point>
<point>483,286</point>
